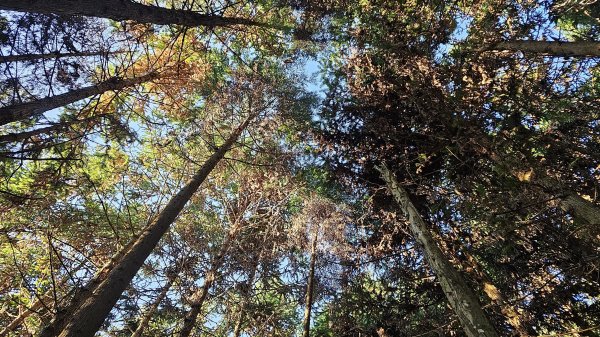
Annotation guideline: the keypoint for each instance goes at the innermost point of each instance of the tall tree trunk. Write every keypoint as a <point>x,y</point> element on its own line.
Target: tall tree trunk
<point>92,313</point>
<point>121,10</point>
<point>460,296</point>
<point>553,48</point>
<point>150,312</point>
<point>24,111</point>
<point>310,286</point>
<point>82,294</point>
<point>45,56</point>
<point>200,296</point>
<point>572,202</point>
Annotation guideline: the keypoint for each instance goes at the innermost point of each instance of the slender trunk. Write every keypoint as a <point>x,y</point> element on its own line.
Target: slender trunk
<point>150,312</point>
<point>21,136</point>
<point>45,56</point>
<point>237,330</point>
<point>121,10</point>
<point>460,296</point>
<point>92,313</point>
<point>24,111</point>
<point>200,296</point>
<point>310,287</point>
<point>82,294</point>
<point>553,48</point>
<point>196,305</point>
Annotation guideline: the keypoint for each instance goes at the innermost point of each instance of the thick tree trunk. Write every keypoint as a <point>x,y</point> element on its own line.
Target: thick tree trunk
<point>150,312</point>
<point>310,287</point>
<point>82,294</point>
<point>121,10</point>
<point>507,309</point>
<point>46,56</point>
<point>24,111</point>
<point>200,296</point>
<point>460,296</point>
<point>553,48</point>
<point>581,208</point>
<point>92,313</point>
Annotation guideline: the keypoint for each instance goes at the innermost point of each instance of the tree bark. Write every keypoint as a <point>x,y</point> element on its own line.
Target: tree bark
<point>462,299</point>
<point>92,313</point>
<point>46,56</point>
<point>150,312</point>
<point>200,296</point>
<point>310,287</point>
<point>82,294</point>
<point>581,208</point>
<point>21,136</point>
<point>24,111</point>
<point>120,10</point>
<point>552,48</point>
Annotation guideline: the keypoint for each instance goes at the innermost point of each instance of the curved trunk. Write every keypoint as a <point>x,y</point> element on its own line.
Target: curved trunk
<point>121,10</point>
<point>310,287</point>
<point>24,111</point>
<point>92,313</point>
<point>462,299</point>
<point>569,200</point>
<point>150,312</point>
<point>553,48</point>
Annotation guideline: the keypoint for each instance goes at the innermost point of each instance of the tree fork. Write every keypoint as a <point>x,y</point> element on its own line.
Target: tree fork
<point>462,299</point>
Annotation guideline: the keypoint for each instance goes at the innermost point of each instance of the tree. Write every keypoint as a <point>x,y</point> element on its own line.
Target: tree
<point>553,48</point>
<point>119,10</point>
<point>461,297</point>
<point>24,111</point>
<point>88,318</point>
<point>150,310</point>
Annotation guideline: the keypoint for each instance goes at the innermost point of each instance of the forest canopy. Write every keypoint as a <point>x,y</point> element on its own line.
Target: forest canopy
<point>306,168</point>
